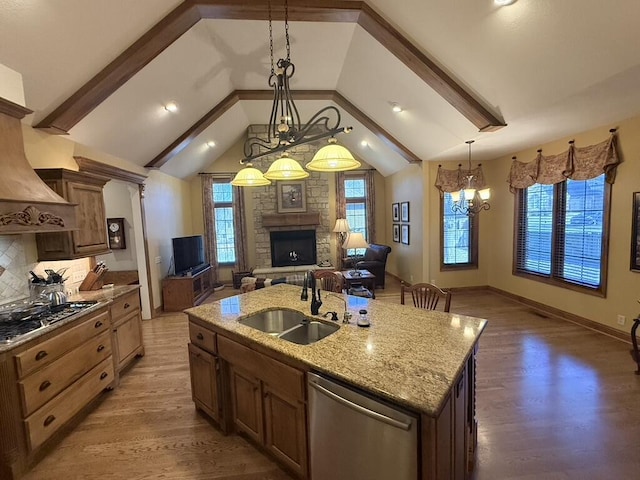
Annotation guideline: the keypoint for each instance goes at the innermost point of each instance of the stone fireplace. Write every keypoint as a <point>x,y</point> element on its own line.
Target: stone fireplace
<point>293,247</point>
<point>265,204</point>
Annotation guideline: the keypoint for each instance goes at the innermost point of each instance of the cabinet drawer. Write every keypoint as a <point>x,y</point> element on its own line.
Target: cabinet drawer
<point>125,305</point>
<point>45,352</point>
<point>202,337</point>
<point>46,421</point>
<point>285,379</point>
<point>41,386</point>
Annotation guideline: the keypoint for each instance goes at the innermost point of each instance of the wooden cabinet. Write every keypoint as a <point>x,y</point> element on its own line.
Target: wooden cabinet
<point>179,293</point>
<point>268,403</point>
<point>57,376</point>
<point>204,381</point>
<point>85,190</point>
<point>126,327</point>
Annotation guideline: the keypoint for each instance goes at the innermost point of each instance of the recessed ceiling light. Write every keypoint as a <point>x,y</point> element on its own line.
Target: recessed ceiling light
<point>396,108</point>
<point>364,143</point>
<point>171,107</point>
<point>504,3</point>
<point>211,144</point>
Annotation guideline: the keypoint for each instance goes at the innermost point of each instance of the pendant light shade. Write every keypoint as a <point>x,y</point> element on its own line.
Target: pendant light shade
<point>285,168</point>
<point>250,177</point>
<point>332,158</point>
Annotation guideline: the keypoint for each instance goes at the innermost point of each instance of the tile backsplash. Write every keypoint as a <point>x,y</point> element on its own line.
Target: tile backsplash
<point>18,255</point>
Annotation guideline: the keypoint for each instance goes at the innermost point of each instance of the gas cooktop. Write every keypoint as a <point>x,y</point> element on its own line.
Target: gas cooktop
<point>24,319</point>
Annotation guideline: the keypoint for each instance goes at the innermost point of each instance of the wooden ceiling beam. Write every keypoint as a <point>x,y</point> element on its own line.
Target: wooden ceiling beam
<point>237,95</point>
<point>188,13</point>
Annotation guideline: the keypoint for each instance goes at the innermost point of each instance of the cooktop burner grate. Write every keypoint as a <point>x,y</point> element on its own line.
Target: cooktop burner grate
<point>12,329</point>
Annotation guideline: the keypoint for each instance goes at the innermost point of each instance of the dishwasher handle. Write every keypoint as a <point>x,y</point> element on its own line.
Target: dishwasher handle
<point>359,408</point>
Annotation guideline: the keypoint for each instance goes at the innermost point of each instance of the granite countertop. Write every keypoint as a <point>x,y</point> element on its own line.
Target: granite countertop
<point>408,355</point>
<point>103,296</point>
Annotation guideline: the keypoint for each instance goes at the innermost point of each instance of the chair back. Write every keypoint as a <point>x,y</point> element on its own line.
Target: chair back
<point>330,281</point>
<point>426,295</point>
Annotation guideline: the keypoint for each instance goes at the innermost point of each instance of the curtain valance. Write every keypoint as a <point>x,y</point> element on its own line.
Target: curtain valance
<point>577,163</point>
<point>455,180</point>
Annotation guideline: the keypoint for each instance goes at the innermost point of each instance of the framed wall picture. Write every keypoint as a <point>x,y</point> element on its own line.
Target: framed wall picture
<point>115,231</point>
<point>396,232</point>
<point>292,196</point>
<point>404,234</point>
<point>635,234</point>
<point>404,211</point>
<point>395,212</point>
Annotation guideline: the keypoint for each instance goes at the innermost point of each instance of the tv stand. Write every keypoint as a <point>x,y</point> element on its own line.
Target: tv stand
<point>179,293</point>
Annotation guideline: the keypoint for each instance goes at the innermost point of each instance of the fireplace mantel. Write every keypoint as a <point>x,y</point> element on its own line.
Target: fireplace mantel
<point>290,219</point>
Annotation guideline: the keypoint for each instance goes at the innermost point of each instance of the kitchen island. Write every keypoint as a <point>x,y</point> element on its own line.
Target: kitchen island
<point>420,360</point>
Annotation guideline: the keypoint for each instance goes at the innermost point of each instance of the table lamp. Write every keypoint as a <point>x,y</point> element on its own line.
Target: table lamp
<point>342,229</point>
<point>355,240</point>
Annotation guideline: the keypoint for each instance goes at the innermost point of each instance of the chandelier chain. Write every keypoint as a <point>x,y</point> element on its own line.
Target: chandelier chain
<point>271,39</point>
<point>286,28</point>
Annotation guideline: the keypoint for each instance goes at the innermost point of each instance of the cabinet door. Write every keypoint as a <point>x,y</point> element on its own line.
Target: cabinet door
<point>91,238</point>
<point>127,339</point>
<point>246,403</point>
<point>285,430</point>
<point>204,381</point>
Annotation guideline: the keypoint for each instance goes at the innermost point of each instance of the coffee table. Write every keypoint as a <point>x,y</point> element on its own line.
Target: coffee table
<point>360,277</point>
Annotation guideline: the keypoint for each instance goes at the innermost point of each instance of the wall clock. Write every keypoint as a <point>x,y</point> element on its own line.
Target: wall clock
<point>115,231</point>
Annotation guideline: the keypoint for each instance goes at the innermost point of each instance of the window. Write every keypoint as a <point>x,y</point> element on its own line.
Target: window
<point>562,231</point>
<point>355,192</point>
<point>459,239</point>
<point>223,221</point>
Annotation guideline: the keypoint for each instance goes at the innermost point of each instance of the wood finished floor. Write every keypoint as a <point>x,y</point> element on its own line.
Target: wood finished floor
<point>554,401</point>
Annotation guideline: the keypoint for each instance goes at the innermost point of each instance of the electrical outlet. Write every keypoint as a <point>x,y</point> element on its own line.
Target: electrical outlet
<point>621,319</point>
<point>78,276</point>
<point>158,259</point>
<point>411,278</point>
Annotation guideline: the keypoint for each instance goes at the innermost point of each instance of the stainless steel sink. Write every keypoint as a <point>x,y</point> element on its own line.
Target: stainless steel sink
<point>289,325</point>
<point>274,322</point>
<point>309,332</point>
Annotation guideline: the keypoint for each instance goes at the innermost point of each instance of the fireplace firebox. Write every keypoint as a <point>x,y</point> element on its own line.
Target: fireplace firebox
<point>293,247</point>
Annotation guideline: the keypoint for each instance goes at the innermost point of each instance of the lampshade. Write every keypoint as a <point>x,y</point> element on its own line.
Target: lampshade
<point>485,193</point>
<point>285,168</point>
<point>355,240</point>
<point>342,226</point>
<point>249,177</point>
<point>332,158</point>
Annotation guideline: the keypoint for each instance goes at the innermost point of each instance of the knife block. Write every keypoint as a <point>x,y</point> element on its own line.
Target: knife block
<point>92,281</point>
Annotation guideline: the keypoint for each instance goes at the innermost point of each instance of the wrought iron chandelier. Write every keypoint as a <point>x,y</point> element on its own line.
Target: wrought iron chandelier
<point>287,131</point>
<point>469,200</point>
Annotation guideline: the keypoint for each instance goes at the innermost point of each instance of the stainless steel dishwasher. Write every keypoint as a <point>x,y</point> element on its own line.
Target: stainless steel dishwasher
<point>354,437</point>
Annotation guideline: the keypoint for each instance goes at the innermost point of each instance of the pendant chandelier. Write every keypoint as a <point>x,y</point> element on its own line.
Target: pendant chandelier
<point>469,200</point>
<point>287,131</point>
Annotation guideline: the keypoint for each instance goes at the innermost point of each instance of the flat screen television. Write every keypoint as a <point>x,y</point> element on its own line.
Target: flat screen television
<point>188,253</point>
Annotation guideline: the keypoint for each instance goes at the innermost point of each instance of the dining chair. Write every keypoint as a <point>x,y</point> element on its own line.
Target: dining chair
<point>426,295</point>
<point>330,281</point>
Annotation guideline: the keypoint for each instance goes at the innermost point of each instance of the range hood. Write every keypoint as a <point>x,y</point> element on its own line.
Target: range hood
<point>27,204</point>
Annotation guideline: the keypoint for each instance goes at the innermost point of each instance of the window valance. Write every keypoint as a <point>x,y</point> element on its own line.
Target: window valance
<point>455,180</point>
<point>577,163</point>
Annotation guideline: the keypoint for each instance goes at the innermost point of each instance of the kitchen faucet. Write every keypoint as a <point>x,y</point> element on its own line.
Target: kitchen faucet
<point>346,316</point>
<point>316,302</point>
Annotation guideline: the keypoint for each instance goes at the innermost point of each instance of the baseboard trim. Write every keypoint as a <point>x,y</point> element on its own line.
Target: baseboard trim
<point>561,314</point>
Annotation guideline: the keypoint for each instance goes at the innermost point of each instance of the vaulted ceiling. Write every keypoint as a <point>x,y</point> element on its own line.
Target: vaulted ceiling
<point>103,71</point>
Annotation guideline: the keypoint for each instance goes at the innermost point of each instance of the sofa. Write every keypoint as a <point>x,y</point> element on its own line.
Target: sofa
<point>374,260</point>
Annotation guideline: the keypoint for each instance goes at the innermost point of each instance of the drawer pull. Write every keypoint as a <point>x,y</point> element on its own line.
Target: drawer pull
<point>44,385</point>
<point>98,324</point>
<point>200,336</point>
<point>126,305</point>
<point>100,348</point>
<point>103,375</point>
<point>49,420</point>
<point>41,354</point>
